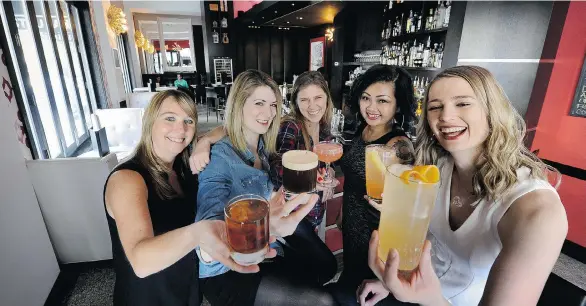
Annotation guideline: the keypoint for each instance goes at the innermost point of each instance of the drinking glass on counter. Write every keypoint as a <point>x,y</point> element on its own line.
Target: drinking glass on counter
<point>299,172</point>
<point>328,152</point>
<point>409,197</point>
<point>247,228</point>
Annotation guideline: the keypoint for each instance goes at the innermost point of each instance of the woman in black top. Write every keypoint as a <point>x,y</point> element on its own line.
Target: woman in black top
<point>384,99</point>
<point>150,204</point>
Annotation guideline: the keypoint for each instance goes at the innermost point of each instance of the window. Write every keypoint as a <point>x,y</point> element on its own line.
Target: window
<point>173,42</point>
<point>52,73</point>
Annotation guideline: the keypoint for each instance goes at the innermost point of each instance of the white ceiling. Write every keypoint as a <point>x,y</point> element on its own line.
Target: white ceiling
<point>171,30</point>
<point>188,7</point>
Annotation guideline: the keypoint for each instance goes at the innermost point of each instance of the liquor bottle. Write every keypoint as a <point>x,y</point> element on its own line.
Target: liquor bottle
<point>418,23</point>
<point>414,24</point>
<point>409,22</point>
<point>214,24</point>
<point>439,56</point>
<point>224,22</point>
<point>216,37</point>
<point>429,21</point>
<point>225,38</point>
<point>441,9</point>
<point>426,53</point>
<point>401,30</point>
<point>436,17</point>
<point>447,14</point>
<point>389,29</point>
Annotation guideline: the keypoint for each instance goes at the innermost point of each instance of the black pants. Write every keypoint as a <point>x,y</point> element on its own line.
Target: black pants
<point>307,252</point>
<point>345,295</point>
<point>296,279</point>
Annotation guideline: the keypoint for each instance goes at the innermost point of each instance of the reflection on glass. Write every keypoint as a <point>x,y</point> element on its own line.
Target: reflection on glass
<point>77,68</point>
<point>36,76</point>
<point>152,62</point>
<point>86,66</point>
<point>177,48</point>
<point>74,103</point>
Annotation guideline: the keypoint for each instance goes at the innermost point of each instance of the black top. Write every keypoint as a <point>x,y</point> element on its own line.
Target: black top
<point>359,218</point>
<point>177,284</point>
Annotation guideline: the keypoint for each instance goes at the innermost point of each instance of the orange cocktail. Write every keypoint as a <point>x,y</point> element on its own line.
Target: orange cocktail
<point>377,158</point>
<point>328,152</point>
<point>404,218</point>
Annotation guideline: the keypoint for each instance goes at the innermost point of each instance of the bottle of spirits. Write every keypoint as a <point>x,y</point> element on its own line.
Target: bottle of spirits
<point>401,22</point>
<point>447,14</point>
<point>414,24</point>
<point>439,56</point>
<point>418,23</point>
<point>225,38</point>
<point>409,22</point>
<point>214,24</point>
<point>436,17</point>
<point>426,52</point>
<point>439,23</point>
<point>216,37</point>
<point>429,21</point>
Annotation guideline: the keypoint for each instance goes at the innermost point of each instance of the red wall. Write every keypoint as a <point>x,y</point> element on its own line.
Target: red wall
<point>560,137</point>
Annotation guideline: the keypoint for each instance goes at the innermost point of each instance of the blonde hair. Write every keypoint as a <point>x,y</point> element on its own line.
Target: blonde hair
<point>305,79</point>
<point>503,150</point>
<point>243,87</point>
<point>145,151</point>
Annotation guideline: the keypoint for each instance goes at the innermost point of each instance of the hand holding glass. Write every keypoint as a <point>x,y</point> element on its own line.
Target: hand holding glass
<point>247,228</point>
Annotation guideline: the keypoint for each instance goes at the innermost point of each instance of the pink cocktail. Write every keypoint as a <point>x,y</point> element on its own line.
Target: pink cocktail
<point>328,152</point>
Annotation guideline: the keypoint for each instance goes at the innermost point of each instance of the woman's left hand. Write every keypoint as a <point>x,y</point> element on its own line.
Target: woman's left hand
<point>423,287</point>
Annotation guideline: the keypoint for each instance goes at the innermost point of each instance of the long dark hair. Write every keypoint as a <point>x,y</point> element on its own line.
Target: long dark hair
<point>404,93</point>
<point>305,79</point>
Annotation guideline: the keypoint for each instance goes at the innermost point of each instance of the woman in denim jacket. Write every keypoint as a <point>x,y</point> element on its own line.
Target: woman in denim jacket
<point>239,164</point>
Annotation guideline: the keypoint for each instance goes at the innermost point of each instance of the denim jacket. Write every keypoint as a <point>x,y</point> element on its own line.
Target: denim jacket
<point>230,173</point>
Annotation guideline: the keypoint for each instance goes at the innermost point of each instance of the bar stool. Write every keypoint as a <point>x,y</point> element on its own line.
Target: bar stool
<point>211,99</point>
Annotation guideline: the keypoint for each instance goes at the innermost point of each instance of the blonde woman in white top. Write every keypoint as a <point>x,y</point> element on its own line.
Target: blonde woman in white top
<point>498,225</point>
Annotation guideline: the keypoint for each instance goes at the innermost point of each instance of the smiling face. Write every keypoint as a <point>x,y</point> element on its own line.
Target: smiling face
<point>378,104</point>
<point>312,102</point>
<point>172,130</point>
<point>456,116</point>
<point>259,110</point>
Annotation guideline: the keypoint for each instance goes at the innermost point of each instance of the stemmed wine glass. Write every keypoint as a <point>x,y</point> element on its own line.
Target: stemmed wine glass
<point>328,152</point>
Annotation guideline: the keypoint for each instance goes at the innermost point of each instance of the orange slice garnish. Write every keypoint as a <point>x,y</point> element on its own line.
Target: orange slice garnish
<point>430,172</point>
<point>425,174</point>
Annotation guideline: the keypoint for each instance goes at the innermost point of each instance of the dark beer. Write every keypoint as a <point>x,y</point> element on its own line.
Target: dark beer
<point>299,171</point>
<point>247,227</point>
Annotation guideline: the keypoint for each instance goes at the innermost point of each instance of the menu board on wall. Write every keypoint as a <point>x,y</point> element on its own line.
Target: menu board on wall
<point>579,105</point>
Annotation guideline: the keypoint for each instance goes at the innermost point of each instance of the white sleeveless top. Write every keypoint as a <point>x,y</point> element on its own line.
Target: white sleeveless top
<point>462,259</point>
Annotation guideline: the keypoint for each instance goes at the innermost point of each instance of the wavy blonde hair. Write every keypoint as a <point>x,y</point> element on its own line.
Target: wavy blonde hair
<point>306,79</point>
<point>145,151</point>
<point>503,150</point>
<point>243,87</point>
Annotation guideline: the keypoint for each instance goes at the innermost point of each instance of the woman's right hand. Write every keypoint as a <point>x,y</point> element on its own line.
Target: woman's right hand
<point>200,157</point>
<point>213,241</point>
<point>283,220</point>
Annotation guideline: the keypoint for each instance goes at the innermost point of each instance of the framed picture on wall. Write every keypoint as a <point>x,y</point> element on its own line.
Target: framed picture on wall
<point>317,53</point>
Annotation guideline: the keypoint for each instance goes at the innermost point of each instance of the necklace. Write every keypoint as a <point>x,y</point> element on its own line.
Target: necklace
<point>459,201</point>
